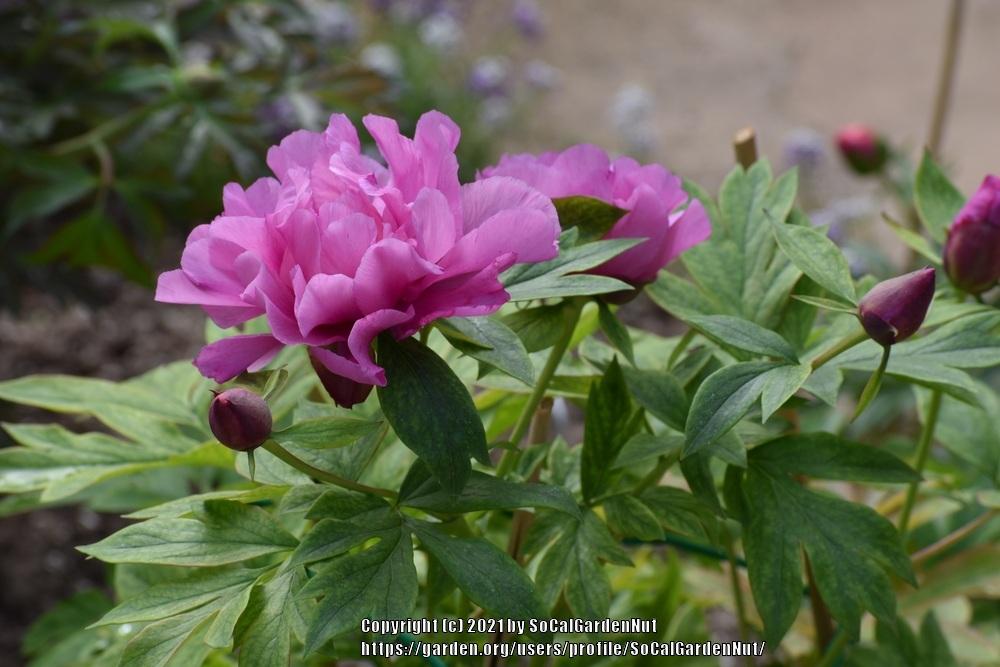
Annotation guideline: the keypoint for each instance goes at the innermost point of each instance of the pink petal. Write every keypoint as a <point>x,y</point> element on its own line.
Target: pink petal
<point>465,295</point>
<point>485,198</point>
<point>258,200</point>
<point>225,359</point>
<point>358,364</point>
<point>385,273</point>
<point>434,226</point>
<point>326,301</point>
<point>529,235</point>
<point>175,287</point>
<point>345,240</point>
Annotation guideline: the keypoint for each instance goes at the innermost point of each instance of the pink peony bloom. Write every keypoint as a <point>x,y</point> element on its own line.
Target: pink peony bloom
<point>339,248</point>
<point>652,196</point>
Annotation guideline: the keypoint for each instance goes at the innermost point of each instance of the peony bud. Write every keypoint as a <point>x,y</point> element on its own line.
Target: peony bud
<point>863,150</point>
<point>972,251</point>
<point>345,392</point>
<point>894,309</point>
<point>240,419</point>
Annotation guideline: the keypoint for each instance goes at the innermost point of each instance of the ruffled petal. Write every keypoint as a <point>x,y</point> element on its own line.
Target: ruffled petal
<point>487,197</point>
<point>225,359</point>
<point>387,271</point>
<point>326,301</point>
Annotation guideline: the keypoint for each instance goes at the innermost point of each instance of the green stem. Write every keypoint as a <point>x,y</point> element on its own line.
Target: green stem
<point>923,449</point>
<point>734,582</point>
<point>682,345</point>
<point>842,346</point>
<point>874,383</point>
<point>511,456</point>
<point>834,649</point>
<point>297,463</point>
<point>946,76</point>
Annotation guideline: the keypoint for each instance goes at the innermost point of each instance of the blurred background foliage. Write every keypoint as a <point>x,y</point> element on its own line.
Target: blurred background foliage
<point>120,120</point>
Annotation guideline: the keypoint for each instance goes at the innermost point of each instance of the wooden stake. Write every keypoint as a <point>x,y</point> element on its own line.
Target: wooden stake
<point>745,147</point>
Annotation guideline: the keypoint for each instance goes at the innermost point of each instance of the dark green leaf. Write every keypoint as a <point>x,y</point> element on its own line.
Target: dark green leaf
<point>379,583</point>
<point>722,400</point>
<point>632,518</point>
<point>660,393</point>
<point>540,327</point>
<point>607,426</point>
<point>326,432</point>
<point>642,447</point>
<point>488,576</point>
<point>485,492</point>
<point>616,332</point>
<point>744,335</point>
<point>431,410</point>
<point>490,341</point>
<point>828,456</point>
<point>679,511</point>
<point>265,628</point>
<point>592,217</point>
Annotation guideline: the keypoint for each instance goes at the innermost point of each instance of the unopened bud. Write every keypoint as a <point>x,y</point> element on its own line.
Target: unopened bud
<point>972,251</point>
<point>240,419</point>
<point>894,309</point>
<point>864,151</point>
<point>345,392</point>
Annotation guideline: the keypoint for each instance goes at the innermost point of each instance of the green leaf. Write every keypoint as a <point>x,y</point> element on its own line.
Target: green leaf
<point>681,512</point>
<point>915,241</point>
<point>970,432</point>
<point>852,548</point>
<point>573,551</point>
<point>744,335</point>
<point>541,326</point>
<point>264,630</point>
<point>431,410</point>
<point>608,424</point>
<point>227,532</point>
<point>333,537</point>
<point>738,271</point>
<point>827,304</point>
<point>485,492</point>
<point>199,589</point>
<point>780,384</point>
<point>818,257</point>
<point>642,447</point>
<point>488,576</point>
<point>490,341</point>
<point>560,277</point>
<point>378,583</point>
<point>828,456</point>
<point>616,332</point>
<point>936,199</point>
<point>660,393</point>
<point>65,618</point>
<point>326,432</point>
<point>632,518</point>
<point>592,217</point>
<point>40,201</point>
<point>176,642</point>
<point>722,400</point>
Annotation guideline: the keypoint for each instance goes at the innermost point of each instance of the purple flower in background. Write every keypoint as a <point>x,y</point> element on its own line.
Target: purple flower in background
<point>338,247</point>
<point>804,148</point>
<point>657,207</point>
<point>382,59</point>
<point>441,31</point>
<point>527,17</point>
<point>540,75</point>
<point>489,76</point>
<point>972,251</point>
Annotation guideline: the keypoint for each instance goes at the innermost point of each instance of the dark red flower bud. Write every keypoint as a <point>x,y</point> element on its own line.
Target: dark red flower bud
<point>240,419</point>
<point>894,309</point>
<point>972,251</point>
<point>863,150</point>
<point>345,392</point>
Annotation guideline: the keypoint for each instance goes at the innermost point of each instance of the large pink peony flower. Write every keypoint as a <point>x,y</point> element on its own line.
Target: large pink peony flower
<point>652,196</point>
<point>338,247</point>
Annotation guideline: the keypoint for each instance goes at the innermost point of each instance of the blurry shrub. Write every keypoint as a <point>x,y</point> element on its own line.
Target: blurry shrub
<point>120,120</point>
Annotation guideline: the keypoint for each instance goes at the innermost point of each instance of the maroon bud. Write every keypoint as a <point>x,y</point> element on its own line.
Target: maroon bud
<point>863,150</point>
<point>345,392</point>
<point>894,309</point>
<point>240,419</point>
<point>972,251</point>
